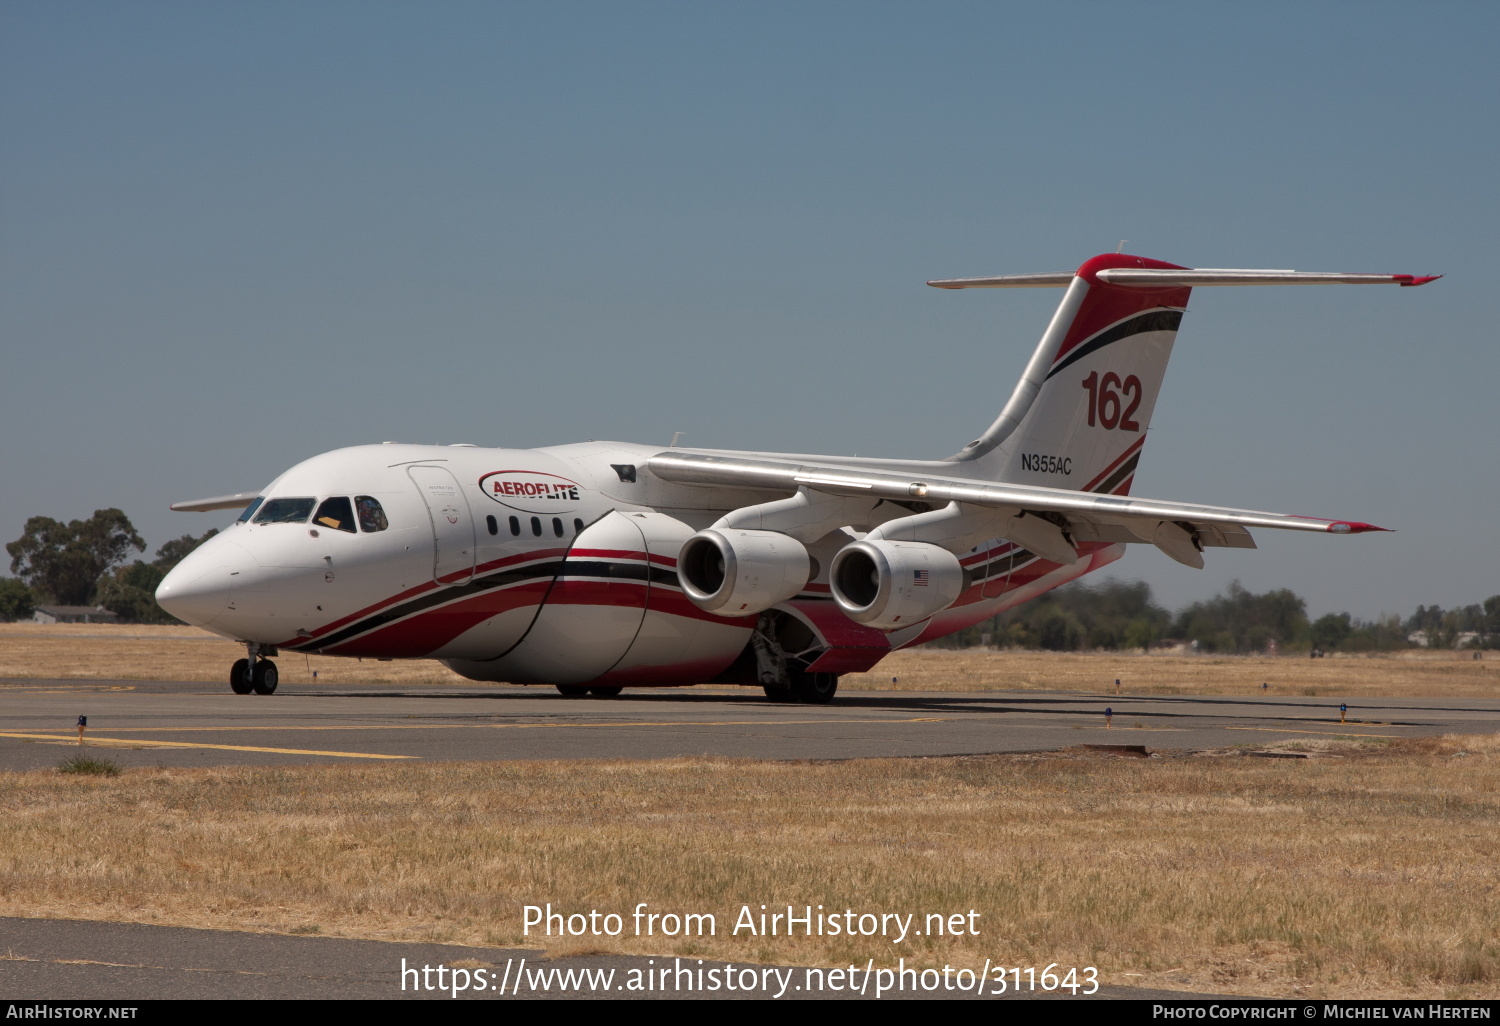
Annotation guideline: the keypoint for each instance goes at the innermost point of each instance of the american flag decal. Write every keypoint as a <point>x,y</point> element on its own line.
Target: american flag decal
<point>919,578</point>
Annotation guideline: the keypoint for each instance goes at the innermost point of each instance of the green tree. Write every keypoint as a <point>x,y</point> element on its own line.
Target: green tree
<point>1141,633</point>
<point>1386,634</point>
<point>16,600</point>
<point>1242,621</point>
<point>130,592</point>
<point>64,562</point>
<point>1109,615</point>
<point>1331,631</point>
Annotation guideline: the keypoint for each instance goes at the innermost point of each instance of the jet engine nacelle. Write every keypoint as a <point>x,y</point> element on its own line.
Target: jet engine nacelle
<point>890,584</point>
<point>731,572</point>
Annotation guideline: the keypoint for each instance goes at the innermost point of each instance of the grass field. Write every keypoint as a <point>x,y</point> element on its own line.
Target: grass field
<point>1366,869</point>
<point>1359,872</point>
<point>186,653</point>
<point>1416,674</point>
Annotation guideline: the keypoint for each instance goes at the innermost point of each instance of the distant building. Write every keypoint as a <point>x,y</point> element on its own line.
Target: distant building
<point>1463,639</point>
<point>73,614</point>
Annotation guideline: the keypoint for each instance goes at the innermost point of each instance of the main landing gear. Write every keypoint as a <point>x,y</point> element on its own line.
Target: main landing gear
<point>808,688</point>
<point>257,673</point>
<point>783,645</point>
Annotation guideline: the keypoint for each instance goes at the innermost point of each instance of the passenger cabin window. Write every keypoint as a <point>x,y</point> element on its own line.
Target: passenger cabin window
<point>515,526</point>
<point>577,526</point>
<point>557,527</point>
<point>492,523</point>
<point>250,509</point>
<point>336,513</point>
<point>371,514</point>
<point>536,526</point>
<point>285,511</point>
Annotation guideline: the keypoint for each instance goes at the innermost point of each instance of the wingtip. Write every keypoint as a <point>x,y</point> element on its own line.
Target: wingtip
<point>1354,527</point>
<point>1417,279</point>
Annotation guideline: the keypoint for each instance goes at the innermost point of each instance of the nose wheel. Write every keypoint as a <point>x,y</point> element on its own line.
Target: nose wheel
<point>256,674</point>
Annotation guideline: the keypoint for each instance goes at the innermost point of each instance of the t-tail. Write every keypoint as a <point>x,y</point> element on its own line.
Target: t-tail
<point>1079,415</point>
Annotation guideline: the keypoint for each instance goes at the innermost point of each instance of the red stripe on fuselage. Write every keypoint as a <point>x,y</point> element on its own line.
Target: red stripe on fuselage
<point>411,593</point>
<point>426,632</point>
<point>988,554</point>
<point>666,561</point>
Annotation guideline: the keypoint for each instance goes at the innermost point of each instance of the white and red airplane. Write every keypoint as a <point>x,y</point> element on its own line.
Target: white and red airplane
<point>605,565</point>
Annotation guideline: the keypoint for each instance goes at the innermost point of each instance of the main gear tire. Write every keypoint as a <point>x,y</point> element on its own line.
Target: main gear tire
<point>239,677</point>
<point>266,678</point>
<point>814,688</point>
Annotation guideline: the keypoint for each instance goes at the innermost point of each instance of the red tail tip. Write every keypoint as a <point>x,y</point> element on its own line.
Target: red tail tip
<point>1409,280</point>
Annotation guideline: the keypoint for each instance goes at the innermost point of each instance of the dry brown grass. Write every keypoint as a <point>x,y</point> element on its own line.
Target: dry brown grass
<point>111,651</point>
<point>147,652</point>
<point>1368,874</point>
<point>1417,674</point>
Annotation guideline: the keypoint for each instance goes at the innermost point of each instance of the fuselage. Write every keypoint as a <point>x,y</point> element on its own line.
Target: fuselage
<point>553,565</point>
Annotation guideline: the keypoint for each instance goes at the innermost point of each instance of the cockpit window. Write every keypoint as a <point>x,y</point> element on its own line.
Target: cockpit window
<point>371,515</point>
<point>336,513</point>
<point>250,509</point>
<point>285,511</point>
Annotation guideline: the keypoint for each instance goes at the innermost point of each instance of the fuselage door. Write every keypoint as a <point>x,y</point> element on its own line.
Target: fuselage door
<point>452,524</point>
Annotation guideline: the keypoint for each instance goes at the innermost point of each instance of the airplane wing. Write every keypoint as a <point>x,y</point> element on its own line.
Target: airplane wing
<point>239,500</point>
<point>1175,527</point>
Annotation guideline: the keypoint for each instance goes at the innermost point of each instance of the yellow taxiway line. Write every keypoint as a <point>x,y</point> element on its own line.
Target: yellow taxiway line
<point>113,742</point>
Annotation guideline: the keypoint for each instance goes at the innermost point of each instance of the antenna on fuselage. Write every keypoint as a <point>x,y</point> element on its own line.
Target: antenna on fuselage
<point>675,436</point>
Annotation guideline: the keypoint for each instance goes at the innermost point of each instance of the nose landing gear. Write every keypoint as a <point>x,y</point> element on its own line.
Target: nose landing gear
<point>256,673</point>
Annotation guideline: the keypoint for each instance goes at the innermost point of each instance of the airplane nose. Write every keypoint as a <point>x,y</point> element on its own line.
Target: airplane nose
<point>197,590</point>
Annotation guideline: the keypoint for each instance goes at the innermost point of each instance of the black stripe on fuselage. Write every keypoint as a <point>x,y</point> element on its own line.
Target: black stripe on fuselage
<point>1000,565</point>
<point>600,569</point>
<point>1151,320</point>
<point>444,594</point>
<point>506,578</point>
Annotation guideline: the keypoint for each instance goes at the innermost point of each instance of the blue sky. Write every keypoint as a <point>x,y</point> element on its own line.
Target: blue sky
<point>233,235</point>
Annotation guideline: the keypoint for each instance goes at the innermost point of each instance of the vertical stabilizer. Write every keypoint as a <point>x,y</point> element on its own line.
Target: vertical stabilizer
<point>1078,416</point>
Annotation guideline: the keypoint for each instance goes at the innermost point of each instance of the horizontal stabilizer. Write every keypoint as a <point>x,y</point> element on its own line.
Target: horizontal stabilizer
<point>238,500</point>
<point>1045,280</point>
<point>1150,277</point>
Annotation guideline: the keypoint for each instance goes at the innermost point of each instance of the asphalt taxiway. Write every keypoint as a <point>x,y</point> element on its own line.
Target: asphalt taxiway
<point>160,723</point>
<point>76,960</point>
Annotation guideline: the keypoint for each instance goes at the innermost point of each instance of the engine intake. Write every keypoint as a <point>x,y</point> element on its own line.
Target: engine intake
<point>890,584</point>
<point>731,572</point>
